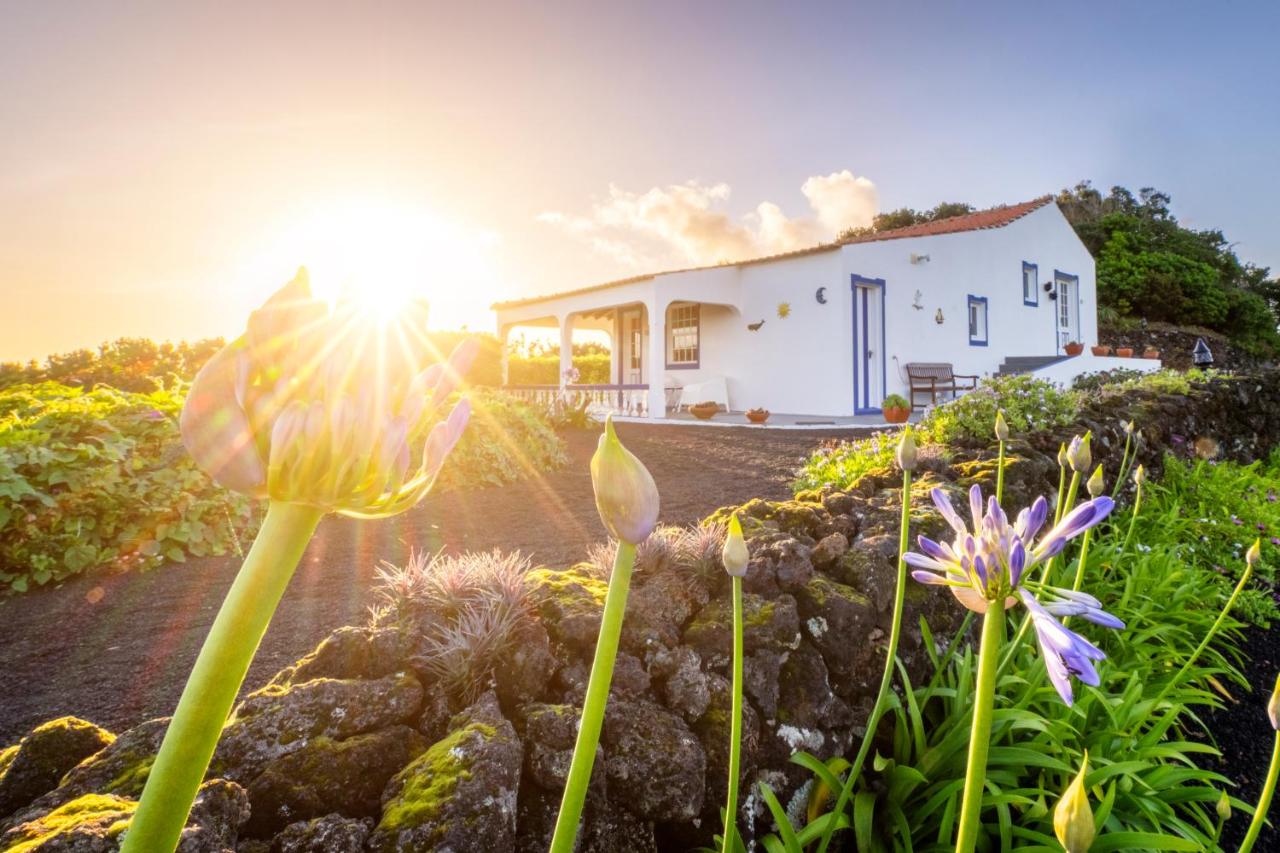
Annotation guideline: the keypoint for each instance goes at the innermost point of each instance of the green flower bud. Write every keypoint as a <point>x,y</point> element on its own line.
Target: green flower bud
<point>1273,706</point>
<point>1073,818</point>
<point>626,496</point>
<point>1078,453</point>
<point>1224,807</point>
<point>734,555</point>
<point>1128,428</point>
<point>1095,483</point>
<point>1254,555</point>
<point>1140,475</point>
<point>1062,455</point>
<point>1002,428</point>
<point>906,452</point>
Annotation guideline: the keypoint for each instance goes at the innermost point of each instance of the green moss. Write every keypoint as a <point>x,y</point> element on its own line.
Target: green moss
<point>567,584</point>
<point>6,758</point>
<point>430,780</point>
<point>821,589</point>
<point>759,616</point>
<point>114,812</point>
<point>132,776</point>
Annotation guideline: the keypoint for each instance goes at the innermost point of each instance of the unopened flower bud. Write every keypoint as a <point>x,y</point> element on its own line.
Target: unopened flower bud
<point>734,555</point>
<point>626,496</point>
<point>1002,428</point>
<point>1079,455</point>
<point>1062,455</point>
<point>1095,483</point>
<point>1128,428</point>
<point>906,452</point>
<point>1224,807</point>
<point>1140,475</point>
<point>1273,706</point>
<point>1073,818</point>
<point>1254,555</point>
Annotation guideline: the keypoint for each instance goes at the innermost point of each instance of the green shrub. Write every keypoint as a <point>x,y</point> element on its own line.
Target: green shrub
<point>100,478</point>
<point>842,464</point>
<point>1029,404</point>
<point>507,439</point>
<point>593,369</point>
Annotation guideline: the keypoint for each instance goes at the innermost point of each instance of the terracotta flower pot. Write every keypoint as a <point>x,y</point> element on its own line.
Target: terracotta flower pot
<point>757,416</point>
<point>1101,349</point>
<point>1074,348</point>
<point>1151,352</point>
<point>896,414</point>
<point>1124,352</point>
<point>703,411</point>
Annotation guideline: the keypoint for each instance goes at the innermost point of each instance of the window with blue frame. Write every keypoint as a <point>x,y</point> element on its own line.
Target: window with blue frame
<point>1030,286</point>
<point>977,321</point>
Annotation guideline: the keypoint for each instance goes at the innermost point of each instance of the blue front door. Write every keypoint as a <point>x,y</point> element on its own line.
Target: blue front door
<point>868,345</point>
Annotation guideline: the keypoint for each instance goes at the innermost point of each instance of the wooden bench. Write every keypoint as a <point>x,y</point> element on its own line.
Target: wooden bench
<point>934,378</point>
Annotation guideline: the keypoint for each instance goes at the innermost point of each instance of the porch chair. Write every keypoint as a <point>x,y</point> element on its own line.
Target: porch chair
<point>934,378</point>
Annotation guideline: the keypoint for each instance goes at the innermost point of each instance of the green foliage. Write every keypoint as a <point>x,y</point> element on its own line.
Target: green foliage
<point>1122,380</point>
<point>100,478</point>
<point>593,369</point>
<point>1028,403</point>
<point>1151,266</point>
<point>906,216</point>
<point>130,364</point>
<point>843,463</point>
<point>895,401</point>
<point>1146,785</point>
<point>507,439</point>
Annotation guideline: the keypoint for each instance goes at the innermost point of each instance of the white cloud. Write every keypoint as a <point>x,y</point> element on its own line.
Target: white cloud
<point>682,222</point>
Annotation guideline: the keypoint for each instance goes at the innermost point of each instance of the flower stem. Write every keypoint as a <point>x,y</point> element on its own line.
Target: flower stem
<point>216,677</point>
<point>1264,801</point>
<point>1062,493</point>
<point>1124,465</point>
<point>980,735</point>
<point>593,707</point>
<point>735,723</point>
<point>886,678</point>
<point>1133,519</point>
<point>1084,557</point>
<point>1000,475</point>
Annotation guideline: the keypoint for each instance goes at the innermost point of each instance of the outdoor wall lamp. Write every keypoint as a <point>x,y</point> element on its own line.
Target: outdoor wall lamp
<point>938,318</point>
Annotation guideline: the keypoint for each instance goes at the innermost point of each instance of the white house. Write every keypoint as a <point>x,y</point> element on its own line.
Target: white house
<point>830,330</point>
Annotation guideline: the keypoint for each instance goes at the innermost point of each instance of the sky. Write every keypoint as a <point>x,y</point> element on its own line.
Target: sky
<point>163,167</point>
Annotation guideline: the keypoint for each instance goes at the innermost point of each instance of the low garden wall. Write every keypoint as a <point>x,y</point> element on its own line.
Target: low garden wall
<point>451,727</point>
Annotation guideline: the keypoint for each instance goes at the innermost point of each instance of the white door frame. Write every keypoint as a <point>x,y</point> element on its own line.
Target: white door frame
<point>870,371</point>
<point>1066,309</point>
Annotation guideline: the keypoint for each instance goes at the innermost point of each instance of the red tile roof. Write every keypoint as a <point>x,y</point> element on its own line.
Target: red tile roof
<point>995,217</point>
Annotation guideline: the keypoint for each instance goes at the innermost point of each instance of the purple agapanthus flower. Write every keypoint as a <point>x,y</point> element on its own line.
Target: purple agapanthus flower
<point>990,562</point>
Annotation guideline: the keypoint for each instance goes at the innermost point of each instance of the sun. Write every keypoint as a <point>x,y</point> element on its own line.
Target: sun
<point>386,258</point>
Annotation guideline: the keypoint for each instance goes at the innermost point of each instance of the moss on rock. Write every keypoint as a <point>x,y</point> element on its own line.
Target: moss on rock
<point>36,764</point>
<point>570,603</point>
<point>99,816</point>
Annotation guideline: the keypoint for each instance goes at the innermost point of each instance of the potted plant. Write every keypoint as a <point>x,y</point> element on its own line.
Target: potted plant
<point>896,409</point>
<point>1100,349</point>
<point>704,410</point>
<point>1124,352</point>
<point>1151,352</point>
<point>757,415</point>
<point>1073,347</point>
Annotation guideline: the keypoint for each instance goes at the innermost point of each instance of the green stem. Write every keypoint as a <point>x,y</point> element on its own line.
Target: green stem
<point>975,777</point>
<point>1067,505</point>
<point>735,723</point>
<point>1000,475</point>
<point>1124,465</point>
<point>1133,519</point>
<point>584,751</point>
<point>1264,801</point>
<point>1062,493</point>
<point>1208,638</point>
<point>886,678</point>
<point>1084,556</point>
<point>216,677</point>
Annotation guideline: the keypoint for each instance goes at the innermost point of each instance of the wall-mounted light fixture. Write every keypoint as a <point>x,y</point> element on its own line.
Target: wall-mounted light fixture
<point>919,259</point>
<point>938,318</point>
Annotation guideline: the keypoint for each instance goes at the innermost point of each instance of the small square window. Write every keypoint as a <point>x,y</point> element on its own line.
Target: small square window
<point>978,321</point>
<point>1030,284</point>
<point>682,334</point>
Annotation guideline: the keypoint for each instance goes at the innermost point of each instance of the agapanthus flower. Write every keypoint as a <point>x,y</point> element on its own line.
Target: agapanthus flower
<point>990,562</point>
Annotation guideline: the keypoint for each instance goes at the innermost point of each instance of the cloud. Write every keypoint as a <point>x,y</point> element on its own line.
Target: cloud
<point>683,222</point>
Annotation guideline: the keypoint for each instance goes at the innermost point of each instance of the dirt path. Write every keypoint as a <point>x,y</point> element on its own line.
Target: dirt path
<point>123,657</point>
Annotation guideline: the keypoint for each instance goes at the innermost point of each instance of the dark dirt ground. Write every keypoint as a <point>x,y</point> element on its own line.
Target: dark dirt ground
<point>123,657</point>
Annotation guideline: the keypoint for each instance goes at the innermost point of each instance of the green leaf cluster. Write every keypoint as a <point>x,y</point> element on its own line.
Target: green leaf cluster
<point>1028,404</point>
<point>100,479</point>
<point>506,440</point>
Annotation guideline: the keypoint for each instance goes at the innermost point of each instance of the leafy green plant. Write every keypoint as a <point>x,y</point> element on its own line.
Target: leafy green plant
<point>100,478</point>
<point>895,401</point>
<point>842,463</point>
<point>507,439</point>
<point>1028,404</point>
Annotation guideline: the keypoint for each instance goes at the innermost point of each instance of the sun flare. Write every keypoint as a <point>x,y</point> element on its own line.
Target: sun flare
<point>389,259</point>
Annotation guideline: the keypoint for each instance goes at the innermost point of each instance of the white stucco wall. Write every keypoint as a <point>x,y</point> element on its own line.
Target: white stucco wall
<point>804,363</point>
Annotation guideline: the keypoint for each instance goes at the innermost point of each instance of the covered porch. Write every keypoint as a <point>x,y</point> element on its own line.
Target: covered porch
<point>662,350</point>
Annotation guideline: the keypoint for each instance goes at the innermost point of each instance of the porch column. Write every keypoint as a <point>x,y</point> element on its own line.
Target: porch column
<point>657,366</point>
<point>504,332</point>
<point>566,347</point>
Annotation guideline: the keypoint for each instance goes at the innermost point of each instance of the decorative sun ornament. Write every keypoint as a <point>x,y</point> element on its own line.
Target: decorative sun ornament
<point>784,310</point>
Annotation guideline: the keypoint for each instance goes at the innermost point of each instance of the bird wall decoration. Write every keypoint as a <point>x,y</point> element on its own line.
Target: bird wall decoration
<point>755,327</point>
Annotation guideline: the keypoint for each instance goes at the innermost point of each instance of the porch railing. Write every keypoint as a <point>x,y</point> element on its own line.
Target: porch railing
<point>601,400</point>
